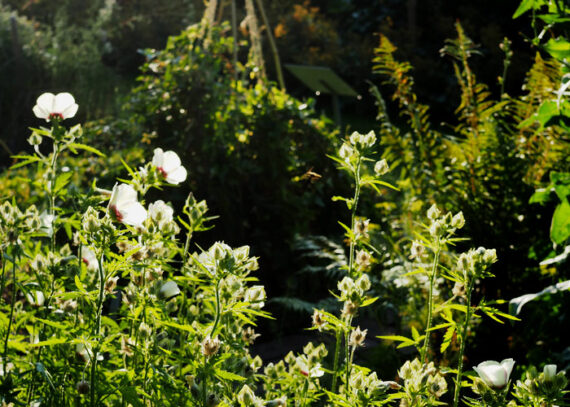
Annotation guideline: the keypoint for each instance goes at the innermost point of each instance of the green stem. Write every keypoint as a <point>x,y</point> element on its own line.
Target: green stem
<point>425,348</point>
<point>3,260</point>
<point>336,360</point>
<point>205,383</point>
<point>462,348</point>
<point>218,309</point>
<point>353,215</point>
<point>97,331</point>
<point>305,389</point>
<point>13,303</point>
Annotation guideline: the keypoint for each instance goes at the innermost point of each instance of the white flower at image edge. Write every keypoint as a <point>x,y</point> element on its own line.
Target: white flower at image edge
<point>169,165</point>
<point>49,106</point>
<point>124,206</point>
<point>495,374</point>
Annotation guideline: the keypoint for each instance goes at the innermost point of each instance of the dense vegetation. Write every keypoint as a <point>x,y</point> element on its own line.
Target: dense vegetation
<point>443,245</point>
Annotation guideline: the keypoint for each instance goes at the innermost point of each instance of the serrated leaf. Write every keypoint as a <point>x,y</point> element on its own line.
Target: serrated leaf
<point>447,338</point>
<point>80,146</point>
<point>225,375</point>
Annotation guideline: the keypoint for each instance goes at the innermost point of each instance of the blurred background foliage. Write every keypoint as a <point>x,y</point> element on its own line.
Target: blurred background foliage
<point>456,127</point>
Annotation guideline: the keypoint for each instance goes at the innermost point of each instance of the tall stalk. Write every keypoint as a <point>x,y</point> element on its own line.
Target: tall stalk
<point>463,341</point>
<point>350,270</point>
<point>12,304</point>
<point>97,330</point>
<point>433,273</point>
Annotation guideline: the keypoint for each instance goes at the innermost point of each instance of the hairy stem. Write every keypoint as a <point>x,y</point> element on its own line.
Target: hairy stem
<point>336,359</point>
<point>462,348</point>
<point>425,348</point>
<point>97,330</point>
<point>11,317</point>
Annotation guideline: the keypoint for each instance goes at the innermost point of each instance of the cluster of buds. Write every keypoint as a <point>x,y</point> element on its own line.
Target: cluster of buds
<point>14,222</point>
<point>353,293</point>
<point>221,259</point>
<point>255,296</point>
<point>421,383</point>
<point>444,225</point>
<point>356,144</point>
<point>368,387</point>
<point>362,141</point>
<point>161,219</point>
<point>476,261</point>
<point>538,389</point>
<point>96,229</point>
<point>247,398</point>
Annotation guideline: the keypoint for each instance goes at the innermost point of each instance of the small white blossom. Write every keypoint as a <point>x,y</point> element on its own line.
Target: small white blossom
<point>124,206</point>
<point>46,223</point>
<point>303,365</point>
<point>169,165</point>
<point>495,374</point>
<point>549,372</point>
<point>160,212</point>
<point>61,106</point>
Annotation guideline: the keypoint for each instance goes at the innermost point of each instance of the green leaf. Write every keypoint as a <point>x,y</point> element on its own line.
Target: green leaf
<point>447,337</point>
<point>525,6</point>
<point>225,375</point>
<point>540,196</point>
<point>61,181</point>
<point>187,328</point>
<point>80,146</point>
<point>50,342</point>
<point>560,227</point>
<point>558,48</point>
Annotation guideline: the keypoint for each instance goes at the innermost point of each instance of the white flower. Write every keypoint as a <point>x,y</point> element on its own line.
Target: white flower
<point>160,212</point>
<point>169,289</point>
<point>549,372</point>
<point>303,365</point>
<point>50,106</point>
<point>495,374</point>
<point>36,298</point>
<point>46,223</point>
<point>381,167</point>
<point>169,165</point>
<point>88,257</point>
<point>124,206</point>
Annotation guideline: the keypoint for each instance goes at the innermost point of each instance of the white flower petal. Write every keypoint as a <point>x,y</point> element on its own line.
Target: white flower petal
<point>171,161</point>
<point>70,111</point>
<point>62,101</point>
<point>508,364</point>
<point>177,176</point>
<point>46,101</point>
<point>125,195</point>
<point>40,112</point>
<point>158,158</point>
<point>133,214</point>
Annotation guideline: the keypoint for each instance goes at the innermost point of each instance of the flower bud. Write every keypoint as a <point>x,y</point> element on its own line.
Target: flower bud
<point>363,283</point>
<point>458,221</point>
<point>433,213</point>
<point>246,397</point>
<point>381,167</point>
<point>35,139</point>
<point>36,298</point>
<point>549,372</point>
